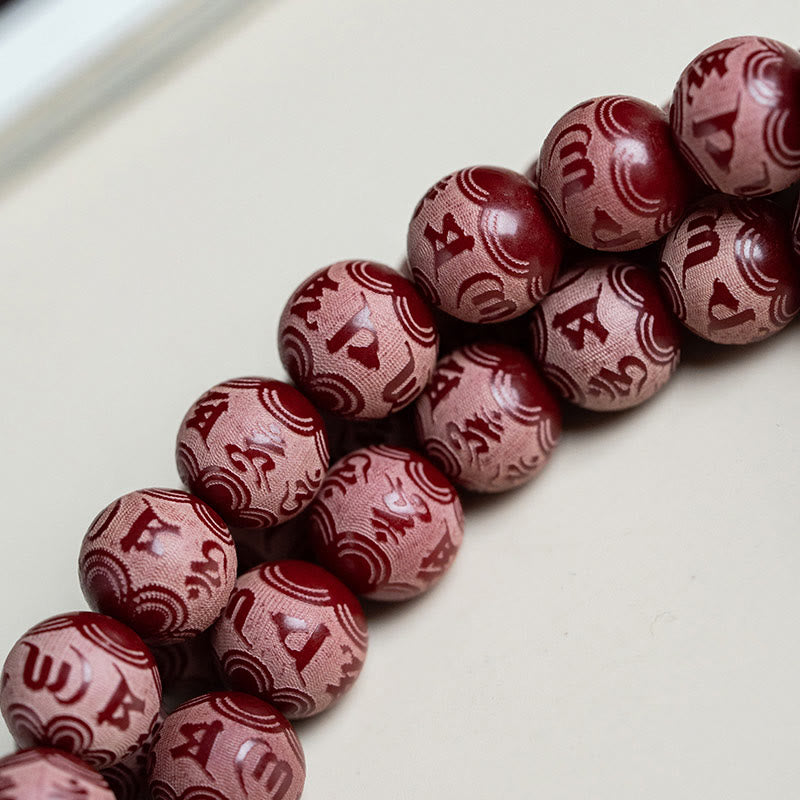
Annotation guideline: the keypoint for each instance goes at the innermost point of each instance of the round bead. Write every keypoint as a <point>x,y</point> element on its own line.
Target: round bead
<point>83,683</point>
<point>226,746</point>
<point>604,337</point>
<point>611,175</point>
<point>47,774</point>
<point>729,270</point>
<point>161,561</point>
<point>736,114</point>
<point>254,449</point>
<point>292,634</point>
<point>387,522</point>
<point>128,778</point>
<point>487,419</point>
<point>358,339</point>
<point>481,247</point>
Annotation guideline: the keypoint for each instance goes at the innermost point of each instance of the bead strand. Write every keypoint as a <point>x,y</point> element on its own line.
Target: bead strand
<point>558,262</point>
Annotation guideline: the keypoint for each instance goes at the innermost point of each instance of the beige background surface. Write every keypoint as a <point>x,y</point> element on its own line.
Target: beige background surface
<point>626,626</point>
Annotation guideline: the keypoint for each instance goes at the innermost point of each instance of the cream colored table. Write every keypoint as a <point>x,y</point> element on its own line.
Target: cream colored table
<point>624,627</point>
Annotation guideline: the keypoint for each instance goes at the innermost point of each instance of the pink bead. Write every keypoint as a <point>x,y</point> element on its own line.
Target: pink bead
<point>83,683</point>
<point>611,175</point>
<point>604,337</point>
<point>47,774</point>
<point>161,561</point>
<point>128,778</point>
<point>729,270</point>
<point>254,449</point>
<point>481,247</point>
<point>292,634</point>
<point>226,746</point>
<point>487,419</point>
<point>736,114</point>
<point>387,522</point>
<point>358,339</point>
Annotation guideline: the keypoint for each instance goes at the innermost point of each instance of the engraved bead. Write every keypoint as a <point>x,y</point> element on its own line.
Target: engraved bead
<point>159,560</point>
<point>226,746</point>
<point>487,419</point>
<point>611,175</point>
<point>736,114</point>
<point>43,773</point>
<point>254,449</point>
<point>481,247</point>
<point>387,522</point>
<point>292,634</point>
<point>729,271</point>
<point>83,683</point>
<point>604,337</point>
<point>358,339</point>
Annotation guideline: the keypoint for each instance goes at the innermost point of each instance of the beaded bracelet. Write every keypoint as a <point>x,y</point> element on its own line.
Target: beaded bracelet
<point>432,356</point>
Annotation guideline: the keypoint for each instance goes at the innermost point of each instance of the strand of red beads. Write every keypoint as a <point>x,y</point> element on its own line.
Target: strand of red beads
<point>498,263</point>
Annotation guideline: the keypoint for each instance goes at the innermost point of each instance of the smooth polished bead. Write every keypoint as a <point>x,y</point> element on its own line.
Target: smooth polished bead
<point>159,560</point>
<point>254,449</point>
<point>481,246</point>
<point>358,339</point>
<point>604,337</point>
<point>387,522</point>
<point>487,419</point>
<point>226,746</point>
<point>736,114</point>
<point>292,634</point>
<point>128,778</point>
<point>729,270</point>
<point>83,683</point>
<point>611,174</point>
<point>44,773</point>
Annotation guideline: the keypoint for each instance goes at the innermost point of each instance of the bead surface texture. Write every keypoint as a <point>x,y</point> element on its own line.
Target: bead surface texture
<point>604,337</point>
<point>83,683</point>
<point>254,449</point>
<point>387,522</point>
<point>358,339</point>
<point>611,175</point>
<point>487,419</point>
<point>43,773</point>
<point>729,271</point>
<point>226,746</point>
<point>736,115</point>
<point>292,634</point>
<point>481,247</point>
<point>161,561</point>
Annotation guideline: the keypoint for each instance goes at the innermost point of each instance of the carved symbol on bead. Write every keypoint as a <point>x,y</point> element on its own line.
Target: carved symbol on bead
<point>289,626</point>
<point>445,379</point>
<point>704,66</point>
<point>308,298</point>
<point>146,531</point>
<point>239,606</point>
<point>717,130</point>
<point>208,410</point>
<point>721,297</point>
<point>210,571</point>
<point>279,778</point>
<point>607,232</point>
<point>618,384</point>
<point>360,321</point>
<point>447,243</point>
<point>123,702</point>
<point>575,321</point>
<point>198,744</point>
<point>36,676</point>
<point>438,560</point>
<point>577,170</point>
<point>703,243</point>
<point>399,513</point>
<point>403,385</point>
<point>475,433</point>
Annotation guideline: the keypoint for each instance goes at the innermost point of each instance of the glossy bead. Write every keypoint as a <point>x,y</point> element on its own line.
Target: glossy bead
<point>83,683</point>
<point>43,773</point>
<point>611,174</point>
<point>604,337</point>
<point>226,746</point>
<point>736,114</point>
<point>254,449</point>
<point>481,247</point>
<point>487,419</point>
<point>292,634</point>
<point>290,539</point>
<point>358,339</point>
<point>128,778</point>
<point>161,561</point>
<point>387,522</point>
<point>729,271</point>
